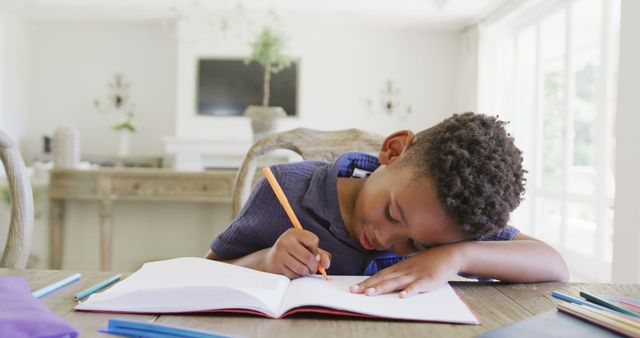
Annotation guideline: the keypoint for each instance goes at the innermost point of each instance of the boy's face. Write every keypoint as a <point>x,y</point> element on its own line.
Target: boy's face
<point>395,211</point>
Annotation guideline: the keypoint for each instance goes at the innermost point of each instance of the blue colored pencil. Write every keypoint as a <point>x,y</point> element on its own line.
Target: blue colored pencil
<point>142,329</point>
<point>96,287</point>
<point>55,286</point>
<point>571,299</point>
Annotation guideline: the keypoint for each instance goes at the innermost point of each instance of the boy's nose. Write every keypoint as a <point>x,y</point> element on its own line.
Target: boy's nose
<point>389,235</point>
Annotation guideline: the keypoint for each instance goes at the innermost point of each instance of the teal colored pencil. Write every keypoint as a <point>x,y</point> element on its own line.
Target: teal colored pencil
<point>55,286</point>
<point>97,287</point>
<point>608,304</point>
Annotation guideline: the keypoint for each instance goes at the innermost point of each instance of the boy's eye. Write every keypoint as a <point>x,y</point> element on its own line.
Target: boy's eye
<point>388,215</point>
<point>418,246</point>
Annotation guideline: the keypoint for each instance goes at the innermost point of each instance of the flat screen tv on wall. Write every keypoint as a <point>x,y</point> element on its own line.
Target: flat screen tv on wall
<point>225,87</point>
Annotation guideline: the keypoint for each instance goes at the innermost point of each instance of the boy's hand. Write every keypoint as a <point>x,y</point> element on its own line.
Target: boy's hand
<point>423,272</point>
<point>296,254</point>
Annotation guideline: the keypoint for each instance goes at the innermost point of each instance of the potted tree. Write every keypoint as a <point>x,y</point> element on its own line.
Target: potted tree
<point>267,50</point>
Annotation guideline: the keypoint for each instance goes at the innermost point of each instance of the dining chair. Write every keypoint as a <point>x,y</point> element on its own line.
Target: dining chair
<point>310,144</point>
<point>16,250</point>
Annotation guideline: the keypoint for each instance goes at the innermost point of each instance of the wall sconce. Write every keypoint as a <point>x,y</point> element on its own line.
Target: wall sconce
<point>388,103</point>
<point>118,98</point>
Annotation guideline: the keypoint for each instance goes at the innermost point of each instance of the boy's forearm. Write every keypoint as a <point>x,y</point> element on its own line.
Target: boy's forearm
<point>253,260</point>
<point>516,261</point>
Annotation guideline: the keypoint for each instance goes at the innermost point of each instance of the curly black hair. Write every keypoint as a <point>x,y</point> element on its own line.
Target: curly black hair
<point>476,167</point>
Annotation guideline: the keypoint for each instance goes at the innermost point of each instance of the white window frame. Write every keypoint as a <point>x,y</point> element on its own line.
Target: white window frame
<point>498,40</point>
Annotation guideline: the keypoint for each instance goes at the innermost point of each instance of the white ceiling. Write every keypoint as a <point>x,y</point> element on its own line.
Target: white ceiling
<point>452,14</point>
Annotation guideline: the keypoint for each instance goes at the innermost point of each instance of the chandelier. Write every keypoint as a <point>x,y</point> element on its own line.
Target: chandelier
<point>215,21</point>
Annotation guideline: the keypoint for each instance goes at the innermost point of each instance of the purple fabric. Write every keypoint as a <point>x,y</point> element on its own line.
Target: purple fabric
<point>22,315</point>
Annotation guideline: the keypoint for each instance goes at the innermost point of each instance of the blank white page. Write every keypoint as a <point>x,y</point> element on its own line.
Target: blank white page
<point>191,284</point>
<point>442,305</point>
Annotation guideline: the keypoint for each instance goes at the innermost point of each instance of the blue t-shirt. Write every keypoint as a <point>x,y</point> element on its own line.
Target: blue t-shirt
<point>311,188</point>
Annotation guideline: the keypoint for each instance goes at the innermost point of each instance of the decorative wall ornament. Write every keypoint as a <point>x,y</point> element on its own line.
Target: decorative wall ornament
<point>118,98</point>
<point>119,101</point>
<point>388,103</point>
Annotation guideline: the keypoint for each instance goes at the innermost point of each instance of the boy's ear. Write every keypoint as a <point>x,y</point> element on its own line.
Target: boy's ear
<point>395,145</point>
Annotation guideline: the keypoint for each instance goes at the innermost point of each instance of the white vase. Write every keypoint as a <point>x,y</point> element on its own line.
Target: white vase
<point>123,143</point>
<point>66,147</point>
<point>263,119</point>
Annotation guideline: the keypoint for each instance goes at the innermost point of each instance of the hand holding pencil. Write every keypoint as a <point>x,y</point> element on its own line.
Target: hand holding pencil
<point>296,252</point>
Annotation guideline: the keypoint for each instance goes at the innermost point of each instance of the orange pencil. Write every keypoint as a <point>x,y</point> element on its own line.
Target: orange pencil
<point>287,207</point>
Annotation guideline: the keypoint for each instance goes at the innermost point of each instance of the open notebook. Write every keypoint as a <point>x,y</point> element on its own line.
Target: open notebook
<point>200,285</point>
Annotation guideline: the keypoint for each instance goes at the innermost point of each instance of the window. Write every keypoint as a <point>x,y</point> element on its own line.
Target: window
<point>559,95</point>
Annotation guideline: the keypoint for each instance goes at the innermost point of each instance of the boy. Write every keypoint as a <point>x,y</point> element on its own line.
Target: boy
<point>430,206</point>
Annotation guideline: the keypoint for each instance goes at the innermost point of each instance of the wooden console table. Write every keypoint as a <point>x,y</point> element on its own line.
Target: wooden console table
<point>127,184</point>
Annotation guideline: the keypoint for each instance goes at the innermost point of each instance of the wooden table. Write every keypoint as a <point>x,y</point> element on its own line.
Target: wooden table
<point>495,305</point>
<point>107,186</point>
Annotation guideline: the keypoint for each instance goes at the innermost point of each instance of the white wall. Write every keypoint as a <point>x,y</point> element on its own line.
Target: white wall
<point>343,63</point>
<point>14,52</point>
<point>14,49</point>
<point>71,65</point>
<point>626,235</point>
